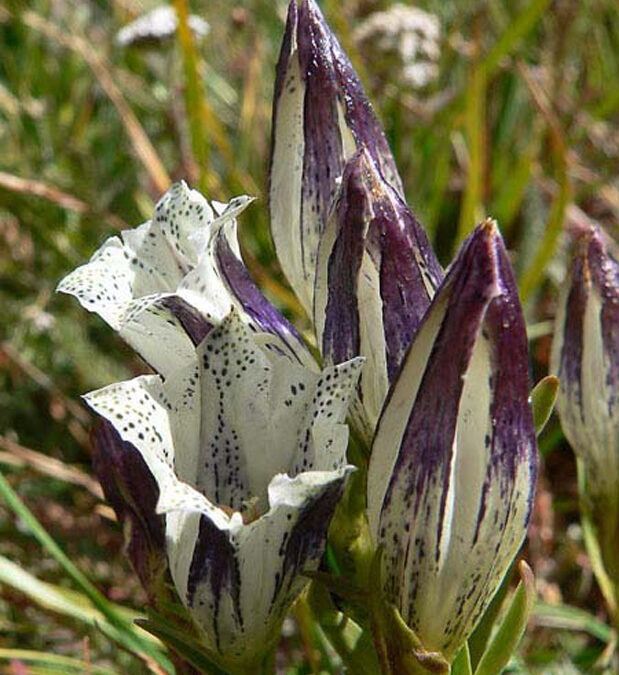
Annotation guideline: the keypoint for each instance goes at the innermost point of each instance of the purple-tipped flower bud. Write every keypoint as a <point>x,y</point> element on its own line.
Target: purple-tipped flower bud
<point>376,275</point>
<point>585,356</point>
<point>321,115</point>
<point>453,465</point>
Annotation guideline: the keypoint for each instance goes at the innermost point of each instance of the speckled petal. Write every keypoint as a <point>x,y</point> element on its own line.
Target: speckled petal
<point>220,281</point>
<point>161,421</point>
<point>454,454</point>
<point>376,275</point>
<point>126,275</point>
<point>262,415</point>
<point>146,283</point>
<point>321,115</point>
<point>144,414</point>
<point>240,586</point>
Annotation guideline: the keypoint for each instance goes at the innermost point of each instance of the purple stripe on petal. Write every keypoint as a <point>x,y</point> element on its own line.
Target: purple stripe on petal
<point>571,358</point>
<point>513,441</point>
<point>323,159</point>
<point>305,542</point>
<point>604,272</point>
<point>371,215</point>
<point>265,316</point>
<point>408,269</point>
<point>132,491</point>
<point>341,332</point>
<point>426,451</point>
<point>332,63</point>
<point>284,60</point>
<point>214,562</point>
<point>195,325</point>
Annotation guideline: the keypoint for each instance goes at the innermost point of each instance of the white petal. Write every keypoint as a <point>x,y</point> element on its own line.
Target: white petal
<point>262,414</point>
<point>240,588</point>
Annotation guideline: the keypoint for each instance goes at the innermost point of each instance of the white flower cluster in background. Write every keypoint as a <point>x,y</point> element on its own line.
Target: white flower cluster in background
<point>410,34</point>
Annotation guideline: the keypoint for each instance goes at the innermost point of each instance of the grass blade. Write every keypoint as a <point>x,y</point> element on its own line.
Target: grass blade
<point>517,31</point>
<point>126,631</point>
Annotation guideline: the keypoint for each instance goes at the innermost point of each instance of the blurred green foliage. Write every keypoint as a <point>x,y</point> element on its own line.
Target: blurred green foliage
<point>519,124</point>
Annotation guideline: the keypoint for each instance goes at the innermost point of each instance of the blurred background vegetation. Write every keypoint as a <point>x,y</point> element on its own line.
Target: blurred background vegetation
<point>498,107</point>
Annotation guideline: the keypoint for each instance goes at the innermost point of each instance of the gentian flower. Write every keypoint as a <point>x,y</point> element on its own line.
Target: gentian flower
<point>376,274</point>
<point>585,356</point>
<point>453,463</point>
<point>176,274</point>
<point>321,115</point>
<point>248,454</point>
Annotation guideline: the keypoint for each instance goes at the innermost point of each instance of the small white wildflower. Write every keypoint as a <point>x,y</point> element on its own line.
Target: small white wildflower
<point>409,34</point>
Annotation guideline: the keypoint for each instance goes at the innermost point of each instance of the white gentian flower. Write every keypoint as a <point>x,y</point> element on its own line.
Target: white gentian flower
<point>248,452</point>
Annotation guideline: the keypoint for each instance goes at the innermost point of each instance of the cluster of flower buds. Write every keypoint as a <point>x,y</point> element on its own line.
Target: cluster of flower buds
<point>229,461</point>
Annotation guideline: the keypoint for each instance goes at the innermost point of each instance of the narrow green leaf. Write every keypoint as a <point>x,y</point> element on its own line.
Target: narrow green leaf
<point>66,664</point>
<point>125,631</point>
<point>55,598</point>
<point>478,640</point>
<point>181,642</point>
<point>505,640</point>
<point>517,30</point>
<point>571,618</point>
<point>543,399</point>
<point>462,662</point>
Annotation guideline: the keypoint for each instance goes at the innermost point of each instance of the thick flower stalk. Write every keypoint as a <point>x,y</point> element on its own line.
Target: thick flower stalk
<point>453,464</point>
<point>181,270</point>
<point>248,454</point>
<point>376,275</point>
<point>585,356</point>
<point>321,115</point>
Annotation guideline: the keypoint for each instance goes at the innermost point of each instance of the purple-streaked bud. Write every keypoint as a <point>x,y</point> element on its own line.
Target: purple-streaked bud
<point>132,491</point>
<point>375,277</point>
<point>321,115</point>
<point>453,465</point>
<point>585,356</point>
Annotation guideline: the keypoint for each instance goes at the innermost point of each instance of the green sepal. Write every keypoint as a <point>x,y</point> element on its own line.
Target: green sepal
<point>478,640</point>
<point>508,635</point>
<point>352,643</point>
<point>543,399</point>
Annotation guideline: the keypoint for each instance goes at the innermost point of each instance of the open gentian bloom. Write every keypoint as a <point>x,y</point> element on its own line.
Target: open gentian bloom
<point>453,464</point>
<point>376,275</point>
<point>183,266</point>
<point>321,115</point>
<point>585,356</point>
<point>248,454</point>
